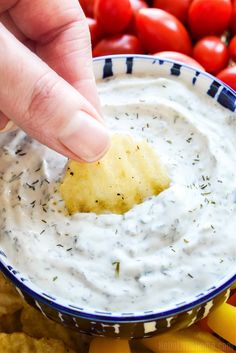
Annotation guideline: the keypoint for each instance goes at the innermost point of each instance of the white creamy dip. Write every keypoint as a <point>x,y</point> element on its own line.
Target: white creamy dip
<point>170,247</point>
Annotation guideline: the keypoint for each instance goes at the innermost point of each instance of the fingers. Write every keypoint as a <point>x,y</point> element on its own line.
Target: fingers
<point>60,29</point>
<point>3,122</point>
<point>6,4</point>
<point>7,21</point>
<point>6,125</point>
<point>49,109</point>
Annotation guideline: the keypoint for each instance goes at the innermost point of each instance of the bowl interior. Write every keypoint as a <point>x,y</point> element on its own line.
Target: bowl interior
<point>105,68</point>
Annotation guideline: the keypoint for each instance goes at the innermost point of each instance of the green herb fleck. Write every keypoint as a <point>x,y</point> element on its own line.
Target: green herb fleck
<point>203,186</point>
<point>15,177</point>
<point>205,193</point>
<point>117,267</point>
<point>30,186</point>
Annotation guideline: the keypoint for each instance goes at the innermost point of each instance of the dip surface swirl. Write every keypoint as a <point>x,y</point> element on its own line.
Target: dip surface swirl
<point>168,248</point>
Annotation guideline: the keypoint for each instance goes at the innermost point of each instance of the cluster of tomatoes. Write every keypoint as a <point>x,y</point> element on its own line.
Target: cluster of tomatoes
<point>197,32</point>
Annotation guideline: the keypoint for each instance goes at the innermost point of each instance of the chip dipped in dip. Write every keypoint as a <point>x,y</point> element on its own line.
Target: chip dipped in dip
<point>167,248</point>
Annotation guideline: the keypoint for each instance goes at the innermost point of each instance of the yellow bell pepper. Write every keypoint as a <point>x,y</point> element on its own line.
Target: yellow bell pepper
<point>190,340</point>
<point>108,345</point>
<point>223,322</point>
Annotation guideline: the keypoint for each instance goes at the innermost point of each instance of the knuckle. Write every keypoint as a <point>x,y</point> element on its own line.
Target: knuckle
<point>84,34</point>
<point>40,107</point>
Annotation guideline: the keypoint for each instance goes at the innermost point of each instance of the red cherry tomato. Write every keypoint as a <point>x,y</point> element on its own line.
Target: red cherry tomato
<point>178,8</point>
<point>233,19</point>
<point>159,31</point>
<point>203,325</point>
<point>209,17</point>
<point>173,55</point>
<point>232,49</point>
<point>95,30</point>
<point>136,6</point>
<point>228,76</point>
<point>87,6</point>
<point>113,16</point>
<point>211,53</point>
<point>232,300</point>
<point>119,44</point>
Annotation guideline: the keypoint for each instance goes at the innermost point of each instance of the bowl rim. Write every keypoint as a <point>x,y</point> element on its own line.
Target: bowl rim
<point>115,317</point>
<point>170,61</point>
<point>99,316</point>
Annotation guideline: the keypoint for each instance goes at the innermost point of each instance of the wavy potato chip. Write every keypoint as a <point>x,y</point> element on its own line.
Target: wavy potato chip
<point>38,326</point>
<point>130,172</point>
<point>10,300</point>
<point>21,343</point>
<point>10,323</point>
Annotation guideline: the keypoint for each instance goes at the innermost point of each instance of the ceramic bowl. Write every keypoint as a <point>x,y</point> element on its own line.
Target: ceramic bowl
<point>135,324</point>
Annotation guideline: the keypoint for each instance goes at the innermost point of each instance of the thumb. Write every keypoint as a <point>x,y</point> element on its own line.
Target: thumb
<point>48,108</point>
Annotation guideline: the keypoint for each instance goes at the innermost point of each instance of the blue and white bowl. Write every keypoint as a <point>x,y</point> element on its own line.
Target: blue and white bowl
<point>148,323</point>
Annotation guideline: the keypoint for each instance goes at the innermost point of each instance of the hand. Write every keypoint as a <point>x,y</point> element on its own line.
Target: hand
<point>47,86</point>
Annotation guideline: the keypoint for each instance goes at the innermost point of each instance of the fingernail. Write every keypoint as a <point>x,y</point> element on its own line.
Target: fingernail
<point>85,137</point>
<point>8,126</point>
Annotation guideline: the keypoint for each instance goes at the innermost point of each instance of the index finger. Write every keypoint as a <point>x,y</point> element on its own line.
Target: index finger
<point>62,38</point>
